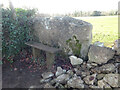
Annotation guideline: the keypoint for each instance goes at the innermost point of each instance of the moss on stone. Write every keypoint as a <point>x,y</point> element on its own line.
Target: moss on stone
<point>74,45</point>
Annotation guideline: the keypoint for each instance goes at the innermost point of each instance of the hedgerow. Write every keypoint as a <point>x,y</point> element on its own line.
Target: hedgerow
<point>16,31</point>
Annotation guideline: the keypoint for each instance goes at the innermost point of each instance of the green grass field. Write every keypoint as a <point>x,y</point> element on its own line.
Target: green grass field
<point>105,28</point>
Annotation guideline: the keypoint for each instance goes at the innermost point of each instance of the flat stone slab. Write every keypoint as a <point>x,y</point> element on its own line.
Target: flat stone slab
<point>42,47</point>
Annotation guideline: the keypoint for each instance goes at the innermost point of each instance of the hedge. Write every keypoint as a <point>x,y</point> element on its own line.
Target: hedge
<point>16,31</point>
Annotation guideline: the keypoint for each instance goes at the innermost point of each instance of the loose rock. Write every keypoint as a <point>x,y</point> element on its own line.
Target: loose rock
<point>75,61</point>
<point>86,73</point>
<point>117,46</point>
<point>94,64</point>
<point>52,82</point>
<point>75,82</point>
<point>112,79</point>
<point>107,68</point>
<point>78,72</point>
<point>47,75</point>
<point>117,59</point>
<point>100,55</point>
<point>117,65</point>
<point>90,79</point>
<point>70,72</point>
<point>100,76</point>
<point>62,78</point>
<point>59,71</point>
<point>93,86</point>
<point>47,85</point>
<point>103,84</point>
<point>45,80</point>
<point>34,87</point>
<point>100,44</point>
<point>89,65</point>
<point>58,85</point>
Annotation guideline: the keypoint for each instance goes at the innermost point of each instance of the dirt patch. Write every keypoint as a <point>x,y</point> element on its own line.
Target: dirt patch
<point>25,72</point>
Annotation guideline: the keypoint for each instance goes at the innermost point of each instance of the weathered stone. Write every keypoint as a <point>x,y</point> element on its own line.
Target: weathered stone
<point>89,65</point>
<point>62,78</point>
<point>100,44</point>
<point>75,69</point>
<point>83,67</point>
<point>78,72</point>
<point>100,76</point>
<point>47,85</point>
<point>66,86</point>
<point>107,68</point>
<point>70,72</point>
<point>117,59</point>
<point>34,87</point>
<point>55,31</point>
<point>93,86</point>
<point>75,82</point>
<point>100,55</point>
<point>94,64</point>
<point>90,79</point>
<point>112,79</point>
<point>116,46</point>
<point>52,82</point>
<point>117,65</point>
<point>47,75</point>
<point>103,84</point>
<point>58,85</point>
<point>86,73</point>
<point>86,86</point>
<point>45,80</point>
<point>41,86</point>
<point>75,61</point>
<point>82,70</point>
<point>59,71</point>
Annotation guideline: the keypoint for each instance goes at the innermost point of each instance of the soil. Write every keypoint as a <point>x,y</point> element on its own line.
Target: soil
<point>25,71</point>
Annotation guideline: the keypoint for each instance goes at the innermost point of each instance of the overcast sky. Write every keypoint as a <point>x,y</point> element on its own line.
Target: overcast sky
<point>65,6</point>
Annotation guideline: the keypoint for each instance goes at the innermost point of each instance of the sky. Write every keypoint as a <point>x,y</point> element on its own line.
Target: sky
<point>65,6</point>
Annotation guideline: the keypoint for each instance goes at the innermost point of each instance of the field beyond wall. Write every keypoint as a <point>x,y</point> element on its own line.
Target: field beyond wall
<point>105,28</point>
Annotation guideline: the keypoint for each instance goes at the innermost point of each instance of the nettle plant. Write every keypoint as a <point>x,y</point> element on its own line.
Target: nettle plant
<point>16,31</point>
<point>74,44</point>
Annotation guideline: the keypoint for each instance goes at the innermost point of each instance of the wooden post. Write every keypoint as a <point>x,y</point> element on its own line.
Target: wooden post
<point>33,50</point>
<point>36,53</point>
<point>50,57</point>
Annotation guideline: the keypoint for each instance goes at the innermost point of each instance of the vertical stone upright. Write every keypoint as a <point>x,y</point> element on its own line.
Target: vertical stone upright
<point>58,31</point>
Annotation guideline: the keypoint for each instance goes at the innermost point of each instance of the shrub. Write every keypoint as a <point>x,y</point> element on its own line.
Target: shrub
<point>16,31</point>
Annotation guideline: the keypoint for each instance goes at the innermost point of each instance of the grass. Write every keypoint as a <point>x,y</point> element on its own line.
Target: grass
<point>105,28</point>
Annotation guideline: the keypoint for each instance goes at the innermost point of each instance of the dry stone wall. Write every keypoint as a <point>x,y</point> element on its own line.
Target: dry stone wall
<point>87,74</point>
<point>102,68</point>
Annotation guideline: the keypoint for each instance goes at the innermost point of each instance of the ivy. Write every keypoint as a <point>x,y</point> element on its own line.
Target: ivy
<point>16,31</point>
<point>74,44</point>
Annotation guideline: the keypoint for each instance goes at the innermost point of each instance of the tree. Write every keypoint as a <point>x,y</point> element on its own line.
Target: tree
<point>96,13</point>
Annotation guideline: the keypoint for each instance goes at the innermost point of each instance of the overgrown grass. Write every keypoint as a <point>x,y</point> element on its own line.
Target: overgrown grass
<point>105,28</point>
